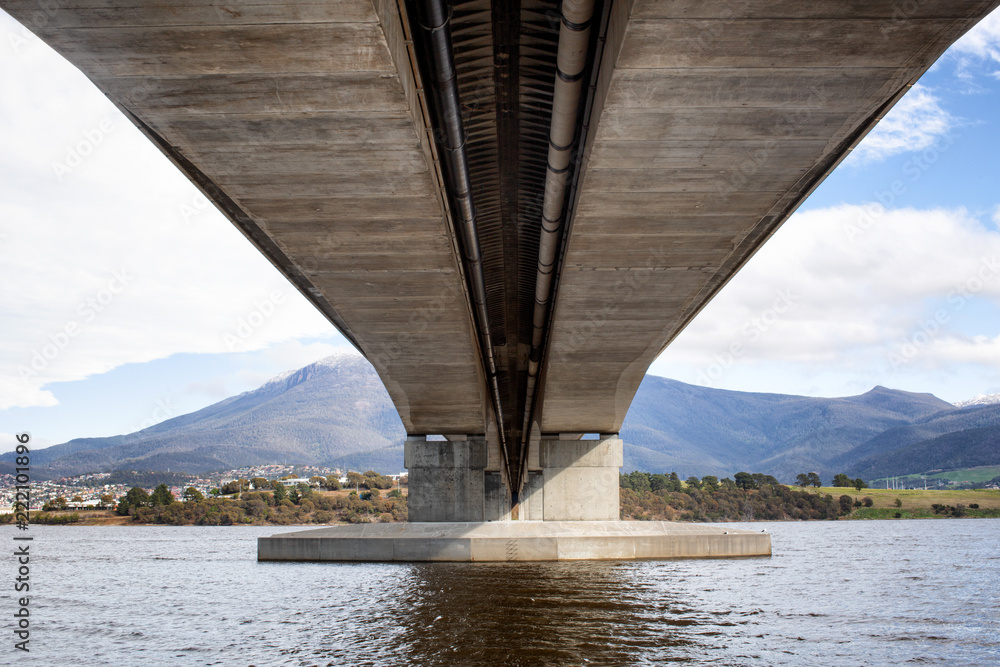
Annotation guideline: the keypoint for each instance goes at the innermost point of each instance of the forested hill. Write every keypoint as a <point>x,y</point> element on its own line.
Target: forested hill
<point>677,426</point>
<point>331,411</point>
<point>336,412</point>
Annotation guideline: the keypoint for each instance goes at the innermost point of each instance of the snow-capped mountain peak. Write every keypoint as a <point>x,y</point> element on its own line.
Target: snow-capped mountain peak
<point>980,399</point>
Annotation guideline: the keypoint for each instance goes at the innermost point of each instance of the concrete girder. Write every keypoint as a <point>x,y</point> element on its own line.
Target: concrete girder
<point>303,123</point>
<point>713,121</point>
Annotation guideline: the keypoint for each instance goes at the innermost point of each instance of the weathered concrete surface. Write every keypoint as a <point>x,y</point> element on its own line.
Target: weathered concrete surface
<point>714,120</point>
<point>580,479</point>
<point>303,123</point>
<point>514,541</point>
<point>446,479</point>
<point>576,480</point>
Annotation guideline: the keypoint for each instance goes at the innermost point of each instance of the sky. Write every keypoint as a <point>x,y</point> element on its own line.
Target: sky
<point>128,299</point>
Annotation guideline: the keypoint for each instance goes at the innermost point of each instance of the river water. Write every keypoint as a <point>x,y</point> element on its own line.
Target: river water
<point>834,593</point>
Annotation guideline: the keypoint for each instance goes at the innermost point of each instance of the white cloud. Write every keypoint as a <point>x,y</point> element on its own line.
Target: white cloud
<point>102,265</point>
<point>981,44</point>
<point>889,297</point>
<point>915,123</point>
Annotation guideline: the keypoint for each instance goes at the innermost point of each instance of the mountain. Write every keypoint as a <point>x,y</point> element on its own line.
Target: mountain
<point>958,449</point>
<point>979,399</point>
<point>713,431</point>
<point>331,410</point>
<point>336,413</point>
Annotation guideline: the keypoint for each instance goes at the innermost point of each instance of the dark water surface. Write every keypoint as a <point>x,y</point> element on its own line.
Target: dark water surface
<point>834,593</point>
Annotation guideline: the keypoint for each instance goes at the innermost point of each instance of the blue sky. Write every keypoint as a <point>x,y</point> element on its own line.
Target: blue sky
<point>128,299</point>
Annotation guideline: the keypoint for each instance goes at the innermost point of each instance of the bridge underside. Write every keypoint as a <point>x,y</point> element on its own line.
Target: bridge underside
<point>326,132</point>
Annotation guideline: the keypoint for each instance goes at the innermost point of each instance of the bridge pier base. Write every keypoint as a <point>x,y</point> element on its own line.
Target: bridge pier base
<point>460,511</point>
<point>568,480</point>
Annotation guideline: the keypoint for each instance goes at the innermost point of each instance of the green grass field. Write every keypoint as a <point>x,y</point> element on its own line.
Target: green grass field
<point>918,499</point>
<point>980,474</point>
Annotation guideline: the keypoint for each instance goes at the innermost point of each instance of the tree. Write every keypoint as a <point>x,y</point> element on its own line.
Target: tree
<point>235,486</point>
<point>814,480</point>
<point>842,480</point>
<point>161,496</point>
<point>135,498</point>
<point>376,481</point>
<point>802,479</point>
<point>639,481</point>
<point>280,493</point>
<point>744,480</point>
<point>859,484</point>
<point>675,482</point>
<point>765,480</point>
<point>658,482</point>
<point>192,494</point>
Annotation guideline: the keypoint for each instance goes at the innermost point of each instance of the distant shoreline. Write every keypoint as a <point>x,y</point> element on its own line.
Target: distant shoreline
<point>912,504</point>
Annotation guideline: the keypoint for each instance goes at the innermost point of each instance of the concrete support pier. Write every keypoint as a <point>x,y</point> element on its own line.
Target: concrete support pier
<point>460,510</point>
<point>447,478</point>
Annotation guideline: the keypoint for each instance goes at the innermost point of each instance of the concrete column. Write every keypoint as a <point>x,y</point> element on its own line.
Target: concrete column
<point>579,479</point>
<point>446,478</point>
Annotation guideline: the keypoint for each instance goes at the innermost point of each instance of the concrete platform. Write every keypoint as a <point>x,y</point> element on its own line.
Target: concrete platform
<point>513,541</point>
